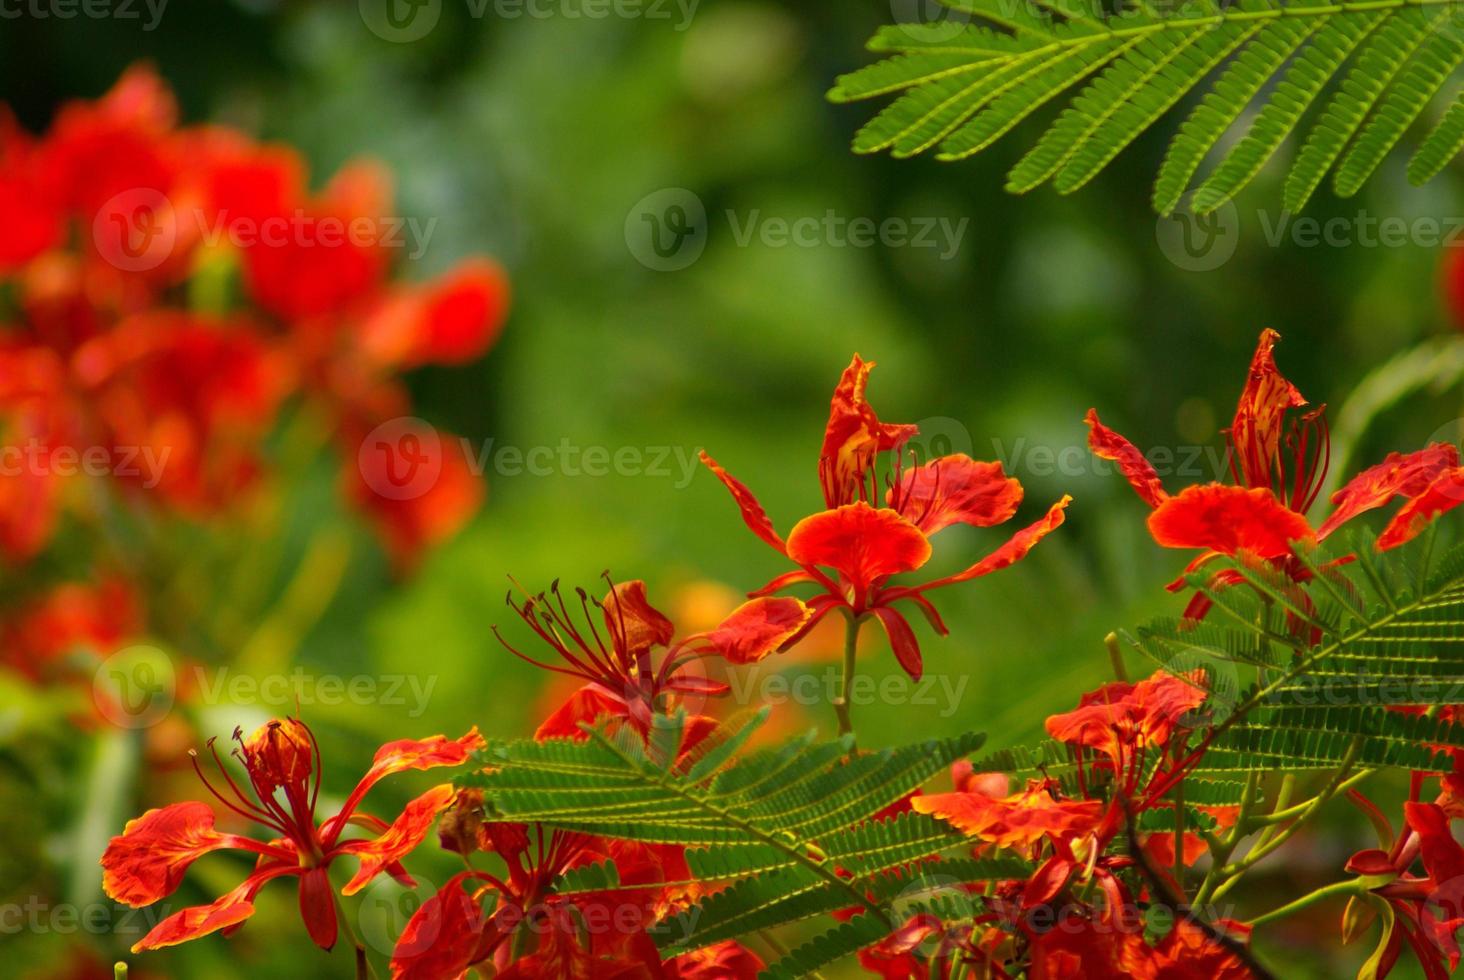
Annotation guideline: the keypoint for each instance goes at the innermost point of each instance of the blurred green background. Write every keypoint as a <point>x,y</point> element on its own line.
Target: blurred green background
<point>533,139</point>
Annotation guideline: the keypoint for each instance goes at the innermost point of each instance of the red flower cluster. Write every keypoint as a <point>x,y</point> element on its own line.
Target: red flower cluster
<point>1279,456</point>
<point>863,538</point>
<point>634,669</point>
<point>168,291</point>
<point>1128,741</point>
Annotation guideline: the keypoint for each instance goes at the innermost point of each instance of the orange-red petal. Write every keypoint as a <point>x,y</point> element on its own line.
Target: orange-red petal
<point>757,628</point>
<point>1444,494</point>
<point>1107,444</point>
<point>727,960</point>
<point>589,703</point>
<point>427,753</point>
<point>1256,430</point>
<point>636,625</point>
<point>902,640</point>
<point>862,542</point>
<point>1019,821</point>
<point>229,909</point>
<point>399,756</point>
<point>443,937</point>
<point>853,436</point>
<point>1012,551</point>
<point>1139,715</point>
<point>1228,520</point>
<point>400,839</point>
<point>147,861</point>
<point>956,490</point>
<point>753,514</point>
<point>1396,476</point>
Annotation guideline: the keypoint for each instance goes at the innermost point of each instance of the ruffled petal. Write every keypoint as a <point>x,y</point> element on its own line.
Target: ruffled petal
<point>1013,551</point>
<point>1020,820</point>
<point>398,840</point>
<point>955,490</point>
<point>588,704</point>
<point>863,543</point>
<point>727,960</point>
<point>1228,520</point>
<point>902,640</point>
<point>147,861</point>
<point>229,909</point>
<point>399,756</point>
<point>1107,444</point>
<point>1396,476</point>
<point>636,625</point>
<point>757,628</point>
<point>427,753</point>
<point>443,937</point>
<point>1256,431</point>
<point>853,437</point>
<point>1444,494</point>
<point>753,514</point>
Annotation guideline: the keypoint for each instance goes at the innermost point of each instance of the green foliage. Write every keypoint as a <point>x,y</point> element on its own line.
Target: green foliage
<point>965,85</point>
<point>789,828</point>
<point>1309,676</point>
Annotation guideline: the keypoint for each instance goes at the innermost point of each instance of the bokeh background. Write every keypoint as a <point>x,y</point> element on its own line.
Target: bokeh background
<point>534,139</point>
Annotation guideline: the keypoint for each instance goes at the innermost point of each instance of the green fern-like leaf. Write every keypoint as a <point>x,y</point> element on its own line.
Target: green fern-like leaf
<point>1314,676</point>
<point>964,87</point>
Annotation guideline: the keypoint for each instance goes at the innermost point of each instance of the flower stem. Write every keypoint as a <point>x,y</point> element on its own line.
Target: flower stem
<point>363,966</point>
<point>1348,887</point>
<point>846,677</point>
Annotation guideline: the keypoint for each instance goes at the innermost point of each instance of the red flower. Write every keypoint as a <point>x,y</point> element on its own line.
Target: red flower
<point>588,936</point>
<point>146,863</point>
<point>624,675</point>
<point>97,617</point>
<point>1426,835</point>
<point>1122,718</point>
<point>865,540</point>
<point>449,321</point>
<point>1279,461</point>
<point>319,263</point>
<point>195,398</point>
<point>32,212</point>
<point>411,522</point>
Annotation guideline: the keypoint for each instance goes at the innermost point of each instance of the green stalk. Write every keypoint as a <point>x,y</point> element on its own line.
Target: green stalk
<point>1349,887</point>
<point>846,676</point>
